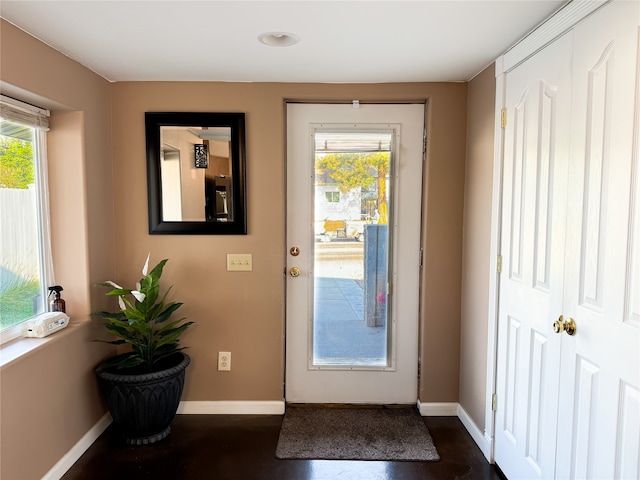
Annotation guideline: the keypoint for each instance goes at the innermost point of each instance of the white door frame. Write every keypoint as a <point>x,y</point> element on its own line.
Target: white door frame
<point>561,22</point>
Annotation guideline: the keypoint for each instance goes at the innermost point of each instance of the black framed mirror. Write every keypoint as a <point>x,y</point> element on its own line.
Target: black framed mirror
<point>196,173</point>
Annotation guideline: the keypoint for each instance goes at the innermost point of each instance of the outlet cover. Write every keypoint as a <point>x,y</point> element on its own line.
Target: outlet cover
<point>224,361</point>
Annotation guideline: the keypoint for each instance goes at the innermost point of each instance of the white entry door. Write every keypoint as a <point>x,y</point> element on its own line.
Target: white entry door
<point>354,190</point>
<point>569,399</point>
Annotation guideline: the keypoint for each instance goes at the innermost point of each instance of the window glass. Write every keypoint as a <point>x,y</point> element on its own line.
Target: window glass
<point>333,197</point>
<point>22,289</point>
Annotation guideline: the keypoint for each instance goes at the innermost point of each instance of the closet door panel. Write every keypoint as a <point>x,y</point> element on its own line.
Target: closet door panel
<point>535,176</point>
<point>600,363</point>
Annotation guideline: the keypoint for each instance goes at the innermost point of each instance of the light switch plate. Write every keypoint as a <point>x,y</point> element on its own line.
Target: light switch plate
<point>239,262</point>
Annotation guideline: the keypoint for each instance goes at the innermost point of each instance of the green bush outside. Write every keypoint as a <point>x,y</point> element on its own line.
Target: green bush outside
<point>16,300</point>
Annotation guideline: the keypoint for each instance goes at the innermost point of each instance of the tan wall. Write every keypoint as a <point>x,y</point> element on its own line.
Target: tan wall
<point>79,158</point>
<point>476,266</point>
<point>442,242</point>
<point>99,215</point>
<point>49,398</point>
<point>243,312</point>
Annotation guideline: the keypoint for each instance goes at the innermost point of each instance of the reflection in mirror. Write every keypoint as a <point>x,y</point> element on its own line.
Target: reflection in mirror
<point>196,173</point>
<point>171,184</point>
<point>196,191</point>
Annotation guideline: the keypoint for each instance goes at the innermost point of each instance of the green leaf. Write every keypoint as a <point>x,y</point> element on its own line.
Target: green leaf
<point>121,362</point>
<point>112,342</point>
<point>166,351</point>
<point>171,329</point>
<point>111,315</point>
<point>130,362</point>
<point>156,272</point>
<point>173,335</point>
<point>140,325</point>
<point>168,311</point>
<point>118,292</point>
<point>121,332</point>
<point>150,285</point>
<point>133,314</point>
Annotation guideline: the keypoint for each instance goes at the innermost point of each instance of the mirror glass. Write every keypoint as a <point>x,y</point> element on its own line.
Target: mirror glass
<point>195,164</point>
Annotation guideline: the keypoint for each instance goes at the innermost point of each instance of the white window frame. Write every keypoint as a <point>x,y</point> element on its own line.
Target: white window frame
<point>37,118</point>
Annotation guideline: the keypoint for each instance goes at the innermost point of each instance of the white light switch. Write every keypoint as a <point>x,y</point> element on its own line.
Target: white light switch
<point>239,262</point>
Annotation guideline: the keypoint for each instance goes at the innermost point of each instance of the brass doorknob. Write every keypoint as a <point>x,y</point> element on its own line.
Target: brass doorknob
<point>294,272</point>
<point>568,325</point>
<point>558,325</point>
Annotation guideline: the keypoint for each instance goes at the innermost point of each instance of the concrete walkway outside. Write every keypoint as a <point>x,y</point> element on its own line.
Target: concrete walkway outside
<point>341,336</point>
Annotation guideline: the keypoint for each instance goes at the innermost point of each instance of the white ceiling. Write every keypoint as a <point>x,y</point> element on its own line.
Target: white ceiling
<point>341,41</point>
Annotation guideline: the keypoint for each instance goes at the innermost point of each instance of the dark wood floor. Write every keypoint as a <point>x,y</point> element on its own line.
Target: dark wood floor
<point>242,447</point>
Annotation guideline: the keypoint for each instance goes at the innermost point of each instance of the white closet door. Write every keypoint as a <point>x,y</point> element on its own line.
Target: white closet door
<point>569,405</point>
<point>533,242</point>
<point>599,405</point>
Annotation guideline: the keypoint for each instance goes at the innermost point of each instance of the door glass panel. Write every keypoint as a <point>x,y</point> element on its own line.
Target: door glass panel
<point>351,261</point>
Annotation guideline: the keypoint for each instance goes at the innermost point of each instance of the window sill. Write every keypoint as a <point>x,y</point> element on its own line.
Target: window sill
<point>21,347</point>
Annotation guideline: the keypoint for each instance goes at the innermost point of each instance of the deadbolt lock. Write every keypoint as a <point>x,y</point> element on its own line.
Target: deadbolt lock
<point>294,251</point>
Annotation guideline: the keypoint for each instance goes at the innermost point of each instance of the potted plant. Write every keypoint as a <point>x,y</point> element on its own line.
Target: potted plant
<point>143,386</point>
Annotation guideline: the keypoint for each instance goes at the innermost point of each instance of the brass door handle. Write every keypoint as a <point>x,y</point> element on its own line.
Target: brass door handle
<point>562,325</point>
<point>558,325</point>
<point>294,272</point>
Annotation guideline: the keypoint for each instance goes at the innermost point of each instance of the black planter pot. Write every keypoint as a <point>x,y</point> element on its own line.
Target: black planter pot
<point>144,405</point>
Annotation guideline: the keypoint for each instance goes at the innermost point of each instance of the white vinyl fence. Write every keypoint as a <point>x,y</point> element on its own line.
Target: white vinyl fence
<point>18,232</point>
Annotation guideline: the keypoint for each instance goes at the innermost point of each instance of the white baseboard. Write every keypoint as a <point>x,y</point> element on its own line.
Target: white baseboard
<point>271,407</point>
<point>481,440</point>
<point>435,409</point>
<point>454,409</point>
<point>72,456</point>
